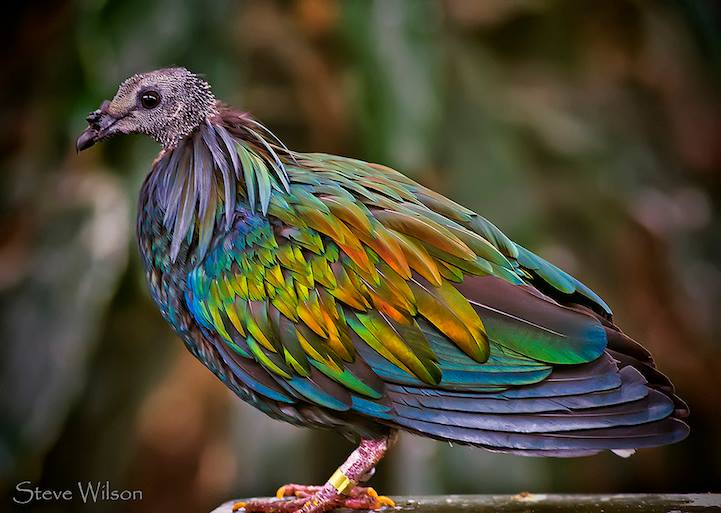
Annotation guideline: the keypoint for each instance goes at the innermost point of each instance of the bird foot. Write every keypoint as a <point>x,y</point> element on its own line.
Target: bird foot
<point>293,498</point>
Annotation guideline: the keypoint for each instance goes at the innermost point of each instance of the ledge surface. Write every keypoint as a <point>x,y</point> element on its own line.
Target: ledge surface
<point>529,502</point>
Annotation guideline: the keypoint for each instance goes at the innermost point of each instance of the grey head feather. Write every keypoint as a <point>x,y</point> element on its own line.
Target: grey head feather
<point>186,101</point>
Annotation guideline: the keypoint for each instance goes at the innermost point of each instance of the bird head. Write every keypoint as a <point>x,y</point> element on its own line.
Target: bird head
<point>166,104</point>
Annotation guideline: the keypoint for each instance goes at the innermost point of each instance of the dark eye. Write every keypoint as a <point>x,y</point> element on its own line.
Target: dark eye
<point>149,99</point>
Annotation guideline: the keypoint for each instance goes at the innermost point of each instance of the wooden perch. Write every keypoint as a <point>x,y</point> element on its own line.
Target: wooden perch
<point>529,502</point>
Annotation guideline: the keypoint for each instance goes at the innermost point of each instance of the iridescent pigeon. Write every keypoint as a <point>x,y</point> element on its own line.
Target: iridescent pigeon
<point>333,293</point>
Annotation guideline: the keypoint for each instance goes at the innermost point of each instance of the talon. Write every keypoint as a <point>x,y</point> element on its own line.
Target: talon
<point>292,498</point>
<point>385,501</point>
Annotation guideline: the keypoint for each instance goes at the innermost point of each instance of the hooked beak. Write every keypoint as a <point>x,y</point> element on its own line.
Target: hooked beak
<point>99,123</point>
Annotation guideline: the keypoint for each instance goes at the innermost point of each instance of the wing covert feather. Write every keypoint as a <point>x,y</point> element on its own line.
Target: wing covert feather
<point>355,253</point>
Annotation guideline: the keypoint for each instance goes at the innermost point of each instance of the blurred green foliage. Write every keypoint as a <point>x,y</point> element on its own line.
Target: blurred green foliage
<point>589,131</point>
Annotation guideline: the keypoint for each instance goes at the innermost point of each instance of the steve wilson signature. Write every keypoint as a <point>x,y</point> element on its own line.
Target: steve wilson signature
<point>85,491</point>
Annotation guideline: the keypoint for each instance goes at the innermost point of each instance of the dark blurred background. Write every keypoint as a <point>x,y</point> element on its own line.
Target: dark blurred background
<point>588,131</point>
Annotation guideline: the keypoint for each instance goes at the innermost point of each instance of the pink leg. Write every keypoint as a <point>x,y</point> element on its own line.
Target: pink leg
<point>340,490</point>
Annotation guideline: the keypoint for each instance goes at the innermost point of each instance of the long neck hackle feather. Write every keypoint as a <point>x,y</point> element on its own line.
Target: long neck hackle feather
<point>198,183</point>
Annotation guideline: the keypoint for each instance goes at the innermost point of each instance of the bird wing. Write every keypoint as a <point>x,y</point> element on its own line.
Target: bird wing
<point>360,278</point>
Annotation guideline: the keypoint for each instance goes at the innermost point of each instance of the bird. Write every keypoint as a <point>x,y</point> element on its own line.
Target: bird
<point>333,293</point>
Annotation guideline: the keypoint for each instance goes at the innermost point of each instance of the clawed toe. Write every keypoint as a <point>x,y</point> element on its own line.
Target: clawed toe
<point>271,506</point>
<point>367,498</point>
<point>292,498</point>
<point>296,490</point>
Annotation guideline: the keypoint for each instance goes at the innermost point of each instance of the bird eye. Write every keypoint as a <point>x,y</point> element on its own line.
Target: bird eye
<point>149,99</point>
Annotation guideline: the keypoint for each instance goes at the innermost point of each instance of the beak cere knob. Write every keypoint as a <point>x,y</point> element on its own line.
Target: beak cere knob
<point>94,117</point>
<point>99,122</point>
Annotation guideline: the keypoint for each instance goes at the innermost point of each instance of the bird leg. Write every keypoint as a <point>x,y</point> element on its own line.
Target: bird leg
<point>340,491</point>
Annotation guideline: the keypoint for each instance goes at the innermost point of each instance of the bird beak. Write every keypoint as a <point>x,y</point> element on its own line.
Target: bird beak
<point>99,123</point>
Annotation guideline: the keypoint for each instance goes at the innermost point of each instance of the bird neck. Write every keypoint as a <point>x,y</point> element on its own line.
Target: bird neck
<point>199,107</point>
<point>225,165</point>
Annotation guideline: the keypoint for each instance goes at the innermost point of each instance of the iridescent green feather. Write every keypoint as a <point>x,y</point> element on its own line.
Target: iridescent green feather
<point>357,252</point>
